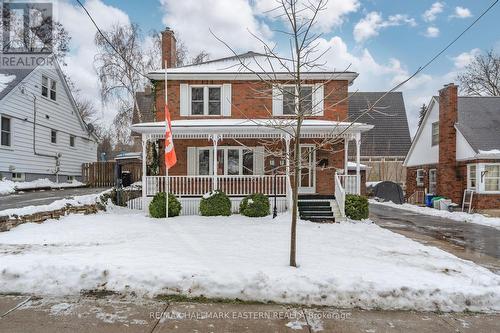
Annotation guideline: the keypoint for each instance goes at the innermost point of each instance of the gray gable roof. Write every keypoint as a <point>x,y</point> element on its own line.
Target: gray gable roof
<point>390,136</point>
<point>479,121</point>
<point>20,74</point>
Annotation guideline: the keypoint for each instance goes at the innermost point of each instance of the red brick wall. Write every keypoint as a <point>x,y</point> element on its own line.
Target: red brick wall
<point>449,182</point>
<point>411,178</point>
<point>252,99</point>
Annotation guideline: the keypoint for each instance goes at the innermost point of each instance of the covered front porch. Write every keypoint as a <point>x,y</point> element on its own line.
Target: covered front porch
<point>242,157</point>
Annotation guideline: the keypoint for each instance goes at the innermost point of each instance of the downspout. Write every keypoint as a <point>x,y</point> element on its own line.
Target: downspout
<point>56,156</point>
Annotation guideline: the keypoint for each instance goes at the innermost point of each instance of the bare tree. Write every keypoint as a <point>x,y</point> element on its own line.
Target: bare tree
<point>482,76</point>
<point>304,56</point>
<point>120,64</point>
<point>200,57</point>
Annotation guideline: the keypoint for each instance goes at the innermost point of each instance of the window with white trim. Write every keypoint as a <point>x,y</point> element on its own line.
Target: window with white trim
<point>420,177</point>
<point>72,140</point>
<point>49,88</point>
<point>18,176</point>
<point>435,133</point>
<point>492,177</point>
<point>6,132</point>
<point>206,100</point>
<point>291,98</point>
<point>471,177</point>
<point>230,161</point>
<point>432,181</point>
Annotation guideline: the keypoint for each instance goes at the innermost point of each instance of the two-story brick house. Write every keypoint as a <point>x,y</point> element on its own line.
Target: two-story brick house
<point>221,115</point>
<point>457,147</point>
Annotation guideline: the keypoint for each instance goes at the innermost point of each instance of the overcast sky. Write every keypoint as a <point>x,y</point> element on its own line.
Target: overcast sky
<point>383,40</point>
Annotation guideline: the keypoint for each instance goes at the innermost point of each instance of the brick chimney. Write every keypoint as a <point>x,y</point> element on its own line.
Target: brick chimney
<point>168,48</point>
<point>448,182</point>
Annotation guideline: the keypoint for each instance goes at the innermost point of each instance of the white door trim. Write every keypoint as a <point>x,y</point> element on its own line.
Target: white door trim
<point>312,168</point>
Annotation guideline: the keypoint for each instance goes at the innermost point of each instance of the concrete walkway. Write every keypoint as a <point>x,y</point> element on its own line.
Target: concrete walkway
<point>118,314</point>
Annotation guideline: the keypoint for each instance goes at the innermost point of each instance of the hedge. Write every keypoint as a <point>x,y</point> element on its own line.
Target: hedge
<point>215,203</point>
<point>356,207</point>
<point>157,206</point>
<point>255,205</point>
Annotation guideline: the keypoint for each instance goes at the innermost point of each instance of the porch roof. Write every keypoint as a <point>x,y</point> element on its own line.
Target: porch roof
<point>250,128</point>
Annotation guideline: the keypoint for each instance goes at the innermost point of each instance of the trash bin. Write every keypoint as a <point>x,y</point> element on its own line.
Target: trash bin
<point>435,201</point>
<point>126,178</point>
<point>428,200</point>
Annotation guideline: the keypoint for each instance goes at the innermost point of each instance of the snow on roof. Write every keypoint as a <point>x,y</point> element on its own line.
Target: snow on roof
<point>249,63</point>
<point>216,125</point>
<point>352,166</point>
<point>5,79</point>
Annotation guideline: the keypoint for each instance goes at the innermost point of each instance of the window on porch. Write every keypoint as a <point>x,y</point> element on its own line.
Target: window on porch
<point>231,161</point>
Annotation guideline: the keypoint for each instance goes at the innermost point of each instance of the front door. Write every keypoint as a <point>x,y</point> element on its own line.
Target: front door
<point>307,174</point>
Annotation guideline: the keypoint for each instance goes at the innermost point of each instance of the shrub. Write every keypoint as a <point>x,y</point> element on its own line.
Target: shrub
<point>356,207</point>
<point>157,206</point>
<point>255,205</point>
<point>215,203</point>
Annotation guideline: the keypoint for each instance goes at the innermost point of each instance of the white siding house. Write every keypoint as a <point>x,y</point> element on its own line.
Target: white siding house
<point>43,135</point>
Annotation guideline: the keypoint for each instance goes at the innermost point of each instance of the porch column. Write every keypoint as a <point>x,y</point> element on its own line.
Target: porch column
<point>287,155</point>
<point>346,155</point>
<point>215,141</point>
<point>358,173</point>
<point>144,170</point>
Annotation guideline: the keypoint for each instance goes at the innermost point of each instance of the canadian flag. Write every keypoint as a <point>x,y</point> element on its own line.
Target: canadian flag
<point>170,157</point>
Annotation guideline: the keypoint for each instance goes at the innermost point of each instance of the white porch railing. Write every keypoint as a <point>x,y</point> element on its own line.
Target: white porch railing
<point>231,185</point>
<point>340,195</point>
<point>349,183</point>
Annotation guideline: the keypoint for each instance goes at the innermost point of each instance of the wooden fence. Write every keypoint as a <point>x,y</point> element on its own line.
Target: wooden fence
<point>102,174</point>
<point>99,174</point>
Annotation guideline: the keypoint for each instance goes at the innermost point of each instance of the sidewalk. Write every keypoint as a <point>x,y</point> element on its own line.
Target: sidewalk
<point>117,314</point>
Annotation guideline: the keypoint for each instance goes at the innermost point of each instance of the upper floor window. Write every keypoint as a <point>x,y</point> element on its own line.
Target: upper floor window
<point>291,98</point>
<point>435,133</point>
<point>492,177</point>
<point>420,177</point>
<point>6,132</point>
<point>49,88</point>
<point>72,140</point>
<point>205,100</point>
<point>53,136</point>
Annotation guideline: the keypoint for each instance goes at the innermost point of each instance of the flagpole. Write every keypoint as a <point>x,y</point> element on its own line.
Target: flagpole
<point>167,187</point>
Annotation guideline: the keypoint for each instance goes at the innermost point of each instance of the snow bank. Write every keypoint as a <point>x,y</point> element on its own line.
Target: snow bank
<point>80,200</point>
<point>344,265</point>
<point>8,186</point>
<point>456,216</point>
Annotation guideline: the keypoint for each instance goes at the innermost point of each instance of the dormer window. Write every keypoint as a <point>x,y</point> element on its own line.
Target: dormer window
<point>49,88</point>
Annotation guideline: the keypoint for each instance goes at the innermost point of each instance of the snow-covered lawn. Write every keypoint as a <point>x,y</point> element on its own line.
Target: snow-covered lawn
<point>344,265</point>
<point>8,186</point>
<point>456,216</point>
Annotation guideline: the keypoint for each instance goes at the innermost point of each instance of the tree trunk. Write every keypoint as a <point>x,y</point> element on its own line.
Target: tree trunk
<point>295,200</point>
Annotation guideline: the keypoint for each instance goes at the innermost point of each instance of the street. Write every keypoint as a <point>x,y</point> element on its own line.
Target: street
<point>44,197</point>
<point>475,242</point>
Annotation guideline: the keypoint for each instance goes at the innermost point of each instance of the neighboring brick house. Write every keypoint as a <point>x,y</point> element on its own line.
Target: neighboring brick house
<point>457,147</point>
<point>221,116</point>
<point>384,148</point>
